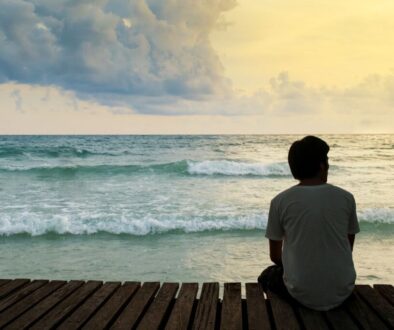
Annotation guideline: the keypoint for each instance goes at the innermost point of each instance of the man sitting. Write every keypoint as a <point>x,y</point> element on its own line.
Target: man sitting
<point>315,223</point>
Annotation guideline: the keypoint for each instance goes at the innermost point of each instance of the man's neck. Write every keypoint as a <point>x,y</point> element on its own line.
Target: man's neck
<point>311,182</point>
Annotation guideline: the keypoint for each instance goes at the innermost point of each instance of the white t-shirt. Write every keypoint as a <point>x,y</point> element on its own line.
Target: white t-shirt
<point>313,222</point>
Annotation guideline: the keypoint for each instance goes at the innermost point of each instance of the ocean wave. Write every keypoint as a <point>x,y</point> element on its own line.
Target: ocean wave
<point>376,215</point>
<point>67,170</point>
<point>63,224</point>
<point>185,167</point>
<point>54,152</point>
<point>231,167</point>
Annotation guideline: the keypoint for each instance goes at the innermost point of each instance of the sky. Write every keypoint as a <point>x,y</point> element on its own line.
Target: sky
<point>196,67</point>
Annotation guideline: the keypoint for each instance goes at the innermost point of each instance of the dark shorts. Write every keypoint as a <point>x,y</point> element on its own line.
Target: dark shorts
<point>271,279</point>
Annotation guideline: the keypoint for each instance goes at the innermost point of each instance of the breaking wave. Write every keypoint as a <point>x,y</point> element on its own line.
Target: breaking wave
<point>185,167</point>
<point>59,224</point>
<point>229,167</point>
<point>148,225</point>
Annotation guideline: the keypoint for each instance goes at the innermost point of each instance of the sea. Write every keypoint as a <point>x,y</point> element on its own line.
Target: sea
<point>182,208</point>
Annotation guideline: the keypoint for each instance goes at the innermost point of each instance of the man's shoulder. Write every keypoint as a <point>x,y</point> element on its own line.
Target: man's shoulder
<point>284,194</point>
<point>296,190</point>
<point>340,191</point>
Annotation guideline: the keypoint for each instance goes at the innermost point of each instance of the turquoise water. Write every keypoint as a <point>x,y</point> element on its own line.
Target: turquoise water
<point>177,208</point>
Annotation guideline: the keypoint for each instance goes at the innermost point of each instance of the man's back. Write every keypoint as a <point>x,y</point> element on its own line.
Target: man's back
<point>314,222</point>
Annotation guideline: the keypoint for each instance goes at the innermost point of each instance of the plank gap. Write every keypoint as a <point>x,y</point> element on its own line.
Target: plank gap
<point>11,287</point>
<point>382,308</point>
<point>270,313</point>
<point>244,314</point>
<point>67,307</point>
<point>121,309</point>
<point>103,302</point>
<point>386,291</point>
<point>218,314</point>
<point>193,314</point>
<point>167,314</point>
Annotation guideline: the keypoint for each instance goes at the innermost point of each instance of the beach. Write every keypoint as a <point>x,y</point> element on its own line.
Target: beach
<point>173,208</point>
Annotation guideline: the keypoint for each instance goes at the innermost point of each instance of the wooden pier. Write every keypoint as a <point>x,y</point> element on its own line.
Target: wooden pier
<point>43,304</point>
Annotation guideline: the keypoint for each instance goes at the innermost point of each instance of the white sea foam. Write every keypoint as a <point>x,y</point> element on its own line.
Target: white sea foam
<point>228,167</point>
<point>64,224</point>
<point>377,215</point>
<point>205,167</point>
<point>90,224</point>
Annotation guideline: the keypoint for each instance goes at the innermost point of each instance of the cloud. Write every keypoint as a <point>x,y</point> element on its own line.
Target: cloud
<point>283,98</point>
<point>373,95</point>
<point>153,57</point>
<point>16,95</point>
<point>117,52</point>
<point>50,110</point>
<point>375,92</point>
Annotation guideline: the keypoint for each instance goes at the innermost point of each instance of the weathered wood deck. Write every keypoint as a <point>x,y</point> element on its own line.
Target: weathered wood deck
<point>42,304</point>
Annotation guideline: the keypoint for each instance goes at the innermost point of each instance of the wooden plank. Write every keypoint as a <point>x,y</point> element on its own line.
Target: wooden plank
<point>207,306</point>
<point>312,319</point>
<point>111,308</point>
<point>4,281</point>
<point>44,305</point>
<point>364,316</point>
<point>386,291</point>
<point>159,308</point>
<point>67,306</point>
<point>20,294</point>
<point>283,313</point>
<point>12,286</point>
<point>380,305</point>
<point>231,314</point>
<point>137,306</point>
<point>256,307</point>
<point>23,305</point>
<point>87,309</point>
<point>182,311</point>
<point>339,319</point>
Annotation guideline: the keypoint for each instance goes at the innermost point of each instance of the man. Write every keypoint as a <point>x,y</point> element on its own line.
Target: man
<point>311,230</point>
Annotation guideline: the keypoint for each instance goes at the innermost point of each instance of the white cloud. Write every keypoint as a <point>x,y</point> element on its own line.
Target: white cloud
<point>50,110</point>
<point>114,50</point>
<point>154,57</point>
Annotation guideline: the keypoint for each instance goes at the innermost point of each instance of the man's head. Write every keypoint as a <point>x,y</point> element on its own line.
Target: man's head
<point>308,158</point>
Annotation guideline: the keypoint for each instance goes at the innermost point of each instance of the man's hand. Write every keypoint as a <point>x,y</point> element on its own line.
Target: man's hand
<point>276,252</point>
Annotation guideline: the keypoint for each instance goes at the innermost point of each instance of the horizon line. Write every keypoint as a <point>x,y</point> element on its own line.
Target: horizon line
<point>179,134</point>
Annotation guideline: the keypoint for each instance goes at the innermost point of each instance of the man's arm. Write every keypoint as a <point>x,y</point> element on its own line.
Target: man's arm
<point>351,238</point>
<point>276,252</point>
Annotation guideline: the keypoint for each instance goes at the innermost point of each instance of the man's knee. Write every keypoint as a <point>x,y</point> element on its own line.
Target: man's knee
<point>269,277</point>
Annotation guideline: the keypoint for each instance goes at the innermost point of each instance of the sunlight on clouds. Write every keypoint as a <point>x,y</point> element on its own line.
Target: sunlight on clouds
<point>126,22</point>
<point>217,66</point>
<point>41,26</point>
<point>287,107</point>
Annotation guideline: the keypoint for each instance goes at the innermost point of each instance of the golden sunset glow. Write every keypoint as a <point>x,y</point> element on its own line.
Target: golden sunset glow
<point>256,66</point>
<point>319,42</point>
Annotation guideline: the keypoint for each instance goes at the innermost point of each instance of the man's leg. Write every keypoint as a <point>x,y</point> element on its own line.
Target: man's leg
<point>271,279</point>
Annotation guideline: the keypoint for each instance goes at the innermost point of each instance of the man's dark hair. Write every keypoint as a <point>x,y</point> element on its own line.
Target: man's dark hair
<point>306,155</point>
